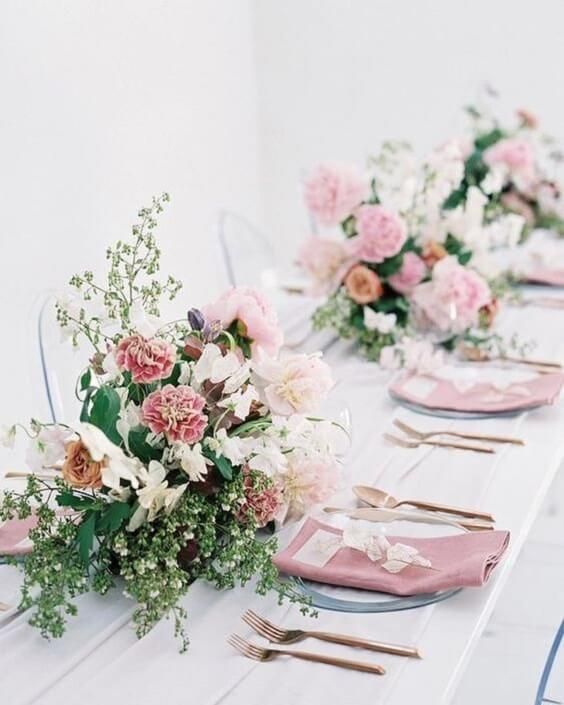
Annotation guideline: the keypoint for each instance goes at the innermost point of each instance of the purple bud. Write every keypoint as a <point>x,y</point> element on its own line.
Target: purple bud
<point>196,319</point>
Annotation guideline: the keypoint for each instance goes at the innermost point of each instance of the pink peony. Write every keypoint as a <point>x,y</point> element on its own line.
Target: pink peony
<point>326,261</point>
<point>453,298</point>
<point>381,234</point>
<point>147,360</point>
<point>263,503</point>
<point>254,312</point>
<point>307,482</point>
<point>176,412</point>
<point>333,191</point>
<point>293,385</point>
<point>412,271</point>
<point>515,153</point>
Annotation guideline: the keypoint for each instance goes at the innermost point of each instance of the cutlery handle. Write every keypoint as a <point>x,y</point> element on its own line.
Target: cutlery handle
<point>366,644</point>
<point>334,661</point>
<point>461,446</point>
<point>485,437</point>
<point>434,507</point>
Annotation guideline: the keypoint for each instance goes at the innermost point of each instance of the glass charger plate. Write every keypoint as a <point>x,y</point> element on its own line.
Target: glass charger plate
<point>352,600</point>
<point>452,414</point>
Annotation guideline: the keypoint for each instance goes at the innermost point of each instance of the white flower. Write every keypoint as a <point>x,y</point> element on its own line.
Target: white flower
<point>494,180</point>
<point>192,461</point>
<point>154,496</point>
<point>400,555</point>
<point>377,547</point>
<point>267,457</point>
<point>237,379</point>
<point>7,436</point>
<point>142,322</point>
<point>382,322</point>
<point>215,366</point>
<point>129,417</point>
<point>240,402</point>
<point>185,373</point>
<point>47,449</point>
<point>117,466</point>
<point>110,367</point>
<point>420,356</point>
<point>233,448</point>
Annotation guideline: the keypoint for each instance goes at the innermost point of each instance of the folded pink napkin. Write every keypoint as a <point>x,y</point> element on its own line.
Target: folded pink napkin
<point>464,560</point>
<point>480,397</point>
<point>544,275</point>
<point>14,536</point>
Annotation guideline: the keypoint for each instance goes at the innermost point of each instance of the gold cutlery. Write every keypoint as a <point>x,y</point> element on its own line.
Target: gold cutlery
<point>380,499</point>
<point>259,653</point>
<point>390,515</point>
<point>405,443</point>
<point>544,302</point>
<point>280,635</point>
<point>424,435</point>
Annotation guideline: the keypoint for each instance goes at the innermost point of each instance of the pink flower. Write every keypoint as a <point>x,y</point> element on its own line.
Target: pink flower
<point>147,360</point>
<point>381,234</point>
<point>412,271</point>
<point>256,316</point>
<point>363,285</point>
<point>333,191</point>
<point>307,482</point>
<point>453,298</point>
<point>515,153</point>
<point>293,385</point>
<point>263,503</point>
<point>176,412</point>
<point>326,261</point>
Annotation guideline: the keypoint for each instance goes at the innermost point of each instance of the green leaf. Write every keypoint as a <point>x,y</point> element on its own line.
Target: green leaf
<point>139,447</point>
<point>453,200</point>
<point>390,266</point>
<point>84,413</point>
<point>105,411</point>
<point>484,141</point>
<point>465,257</point>
<point>68,499</point>
<point>85,380</point>
<point>113,516</point>
<point>85,536</point>
<point>221,463</point>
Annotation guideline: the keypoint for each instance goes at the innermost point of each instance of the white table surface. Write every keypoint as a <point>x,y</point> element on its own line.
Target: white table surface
<point>99,660</point>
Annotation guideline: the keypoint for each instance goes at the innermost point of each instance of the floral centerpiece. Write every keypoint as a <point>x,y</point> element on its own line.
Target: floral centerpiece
<point>192,435</point>
<point>402,266</point>
<point>513,169</point>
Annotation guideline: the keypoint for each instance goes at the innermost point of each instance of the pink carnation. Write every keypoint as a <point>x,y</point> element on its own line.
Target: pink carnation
<point>516,154</point>
<point>254,312</point>
<point>264,504</point>
<point>176,412</point>
<point>333,191</point>
<point>412,271</point>
<point>381,234</point>
<point>326,261</point>
<point>147,360</point>
<point>453,298</point>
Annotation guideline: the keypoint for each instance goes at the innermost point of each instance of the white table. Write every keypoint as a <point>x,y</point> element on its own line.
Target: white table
<point>100,661</point>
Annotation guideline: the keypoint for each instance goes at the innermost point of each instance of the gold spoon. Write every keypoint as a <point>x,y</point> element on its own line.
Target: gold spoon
<point>379,498</point>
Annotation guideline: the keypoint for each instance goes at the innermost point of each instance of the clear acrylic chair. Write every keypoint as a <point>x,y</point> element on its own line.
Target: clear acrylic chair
<point>248,256</point>
<point>60,364</point>
<point>551,686</point>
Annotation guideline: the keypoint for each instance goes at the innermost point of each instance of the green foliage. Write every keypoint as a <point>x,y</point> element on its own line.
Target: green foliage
<point>105,412</point>
<point>139,447</point>
<point>221,463</point>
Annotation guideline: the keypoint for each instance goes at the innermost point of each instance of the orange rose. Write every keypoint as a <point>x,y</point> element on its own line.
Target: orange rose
<point>433,252</point>
<point>363,285</point>
<point>79,470</point>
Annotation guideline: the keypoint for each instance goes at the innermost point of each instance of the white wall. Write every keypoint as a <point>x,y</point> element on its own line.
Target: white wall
<point>104,104</point>
<point>337,77</point>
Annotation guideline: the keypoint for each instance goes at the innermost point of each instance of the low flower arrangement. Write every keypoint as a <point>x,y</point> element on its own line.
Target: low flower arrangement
<point>192,435</point>
<point>512,168</point>
<point>402,266</point>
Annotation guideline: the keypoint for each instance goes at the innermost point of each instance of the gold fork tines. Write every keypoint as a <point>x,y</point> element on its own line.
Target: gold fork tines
<point>424,435</point>
<point>279,635</point>
<point>258,653</point>
<point>405,443</point>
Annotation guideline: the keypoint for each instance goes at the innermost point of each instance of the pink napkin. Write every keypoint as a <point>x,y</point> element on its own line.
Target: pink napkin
<point>13,536</point>
<point>483,397</point>
<point>544,275</point>
<point>464,560</point>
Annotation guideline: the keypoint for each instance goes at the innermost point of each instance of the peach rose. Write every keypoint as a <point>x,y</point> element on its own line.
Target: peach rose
<point>433,252</point>
<point>363,285</point>
<point>79,470</point>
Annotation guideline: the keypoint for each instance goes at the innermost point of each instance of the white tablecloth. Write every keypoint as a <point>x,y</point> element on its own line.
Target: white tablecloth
<point>99,660</point>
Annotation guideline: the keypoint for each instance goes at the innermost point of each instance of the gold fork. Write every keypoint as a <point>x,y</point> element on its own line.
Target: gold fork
<point>258,653</point>
<point>424,435</point>
<point>280,635</point>
<point>405,443</point>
